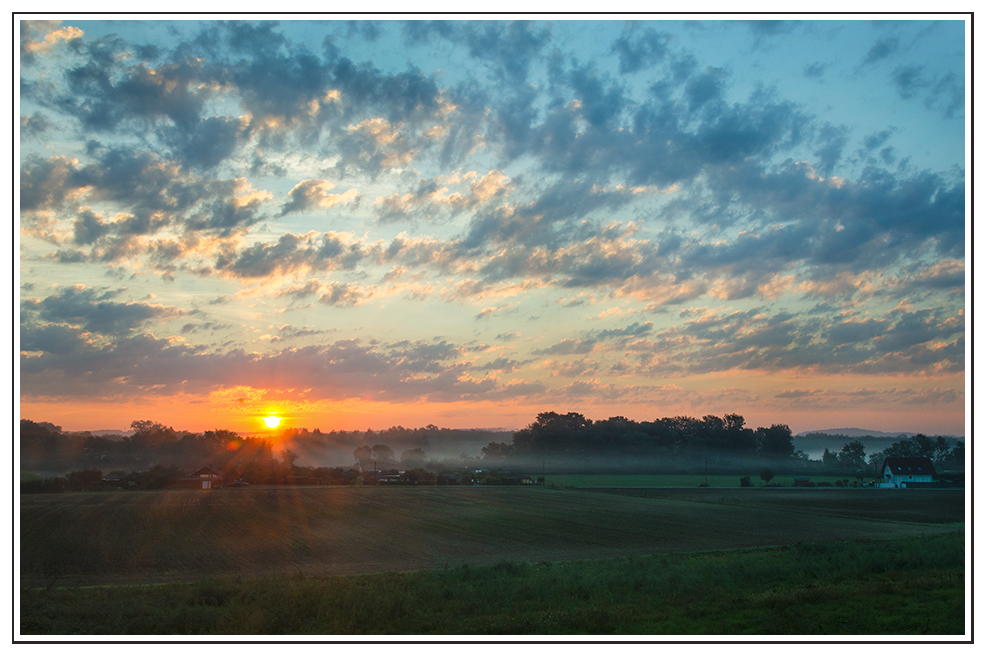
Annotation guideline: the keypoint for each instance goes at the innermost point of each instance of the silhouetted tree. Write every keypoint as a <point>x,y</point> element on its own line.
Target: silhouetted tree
<point>853,456</point>
<point>413,459</point>
<point>775,441</point>
<point>497,452</point>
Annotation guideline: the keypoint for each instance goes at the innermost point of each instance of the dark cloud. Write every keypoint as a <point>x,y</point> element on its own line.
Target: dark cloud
<point>34,125</point>
<point>509,47</point>
<point>898,342</point>
<point>103,93</point>
<point>89,227</point>
<point>207,143</point>
<point>95,312</point>
<point>139,180</point>
<point>705,88</point>
<point>815,69</point>
<point>948,96</point>
<point>877,139</point>
<point>909,80</point>
<point>765,29</point>
<point>590,340</point>
<point>292,254</point>
<point>641,48</point>
<point>46,183</point>
<point>832,140</point>
<point>882,49</point>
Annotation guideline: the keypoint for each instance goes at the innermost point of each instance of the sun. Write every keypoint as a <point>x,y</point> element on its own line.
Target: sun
<point>272,421</point>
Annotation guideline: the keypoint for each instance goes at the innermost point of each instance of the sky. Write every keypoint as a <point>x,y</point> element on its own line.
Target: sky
<point>359,224</point>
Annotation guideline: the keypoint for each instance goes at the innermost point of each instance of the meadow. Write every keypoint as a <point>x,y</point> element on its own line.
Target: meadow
<point>684,480</point>
<point>437,560</point>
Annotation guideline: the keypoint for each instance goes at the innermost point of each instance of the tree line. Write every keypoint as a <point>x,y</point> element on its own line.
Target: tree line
<point>619,441</point>
<point>852,457</point>
<point>684,443</point>
<point>155,455</point>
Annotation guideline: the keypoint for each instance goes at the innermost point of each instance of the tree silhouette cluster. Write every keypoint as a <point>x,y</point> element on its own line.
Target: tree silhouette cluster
<point>620,441</point>
<point>154,454</point>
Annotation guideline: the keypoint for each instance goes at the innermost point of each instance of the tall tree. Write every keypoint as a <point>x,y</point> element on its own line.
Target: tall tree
<point>853,455</point>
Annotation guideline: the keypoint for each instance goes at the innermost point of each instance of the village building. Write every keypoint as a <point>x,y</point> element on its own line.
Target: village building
<point>203,479</point>
<point>900,472</point>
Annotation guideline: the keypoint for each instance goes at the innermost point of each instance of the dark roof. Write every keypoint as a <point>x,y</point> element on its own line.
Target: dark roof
<point>922,466</point>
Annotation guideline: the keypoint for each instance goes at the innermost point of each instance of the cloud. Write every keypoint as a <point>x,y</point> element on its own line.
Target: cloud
<point>945,93</point>
<point>920,342</point>
<point>41,37</point>
<point>509,48</point>
<point>545,175</point>
<point>93,310</point>
<point>293,254</point>
<point>433,198</point>
<point>815,69</point>
<point>641,48</point>
<point>909,80</point>
<point>62,361</point>
<point>882,49</point>
<point>597,339</point>
<point>34,125</point>
<point>312,194</point>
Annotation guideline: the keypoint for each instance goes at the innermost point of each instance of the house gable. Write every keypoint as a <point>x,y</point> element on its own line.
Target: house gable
<point>898,472</point>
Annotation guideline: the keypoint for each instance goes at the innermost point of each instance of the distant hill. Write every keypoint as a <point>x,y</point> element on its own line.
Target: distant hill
<point>855,432</point>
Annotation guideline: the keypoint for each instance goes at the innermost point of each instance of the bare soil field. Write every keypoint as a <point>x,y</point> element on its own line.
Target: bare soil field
<point>141,537</point>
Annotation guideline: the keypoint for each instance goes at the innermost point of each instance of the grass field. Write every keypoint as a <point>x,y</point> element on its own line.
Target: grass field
<point>132,537</point>
<point>678,480</point>
<point>903,587</point>
<point>252,544</point>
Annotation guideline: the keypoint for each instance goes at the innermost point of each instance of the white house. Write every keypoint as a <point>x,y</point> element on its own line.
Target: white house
<point>898,472</point>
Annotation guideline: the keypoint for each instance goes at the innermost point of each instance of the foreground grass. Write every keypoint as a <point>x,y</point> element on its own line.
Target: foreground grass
<point>894,587</point>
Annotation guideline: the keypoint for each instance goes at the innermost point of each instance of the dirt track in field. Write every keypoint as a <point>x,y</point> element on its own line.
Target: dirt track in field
<point>78,539</point>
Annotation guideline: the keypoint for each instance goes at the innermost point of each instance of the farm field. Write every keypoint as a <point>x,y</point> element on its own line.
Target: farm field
<point>679,480</point>
<point>942,506</point>
<point>902,587</point>
<point>141,537</point>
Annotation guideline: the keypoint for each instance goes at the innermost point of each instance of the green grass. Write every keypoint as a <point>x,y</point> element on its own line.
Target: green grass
<point>142,537</point>
<point>677,480</point>
<point>908,586</point>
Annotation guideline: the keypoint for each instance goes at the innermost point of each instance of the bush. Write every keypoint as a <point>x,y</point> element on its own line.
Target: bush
<point>745,482</point>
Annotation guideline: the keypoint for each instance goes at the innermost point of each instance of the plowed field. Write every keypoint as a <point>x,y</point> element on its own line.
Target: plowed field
<point>92,538</point>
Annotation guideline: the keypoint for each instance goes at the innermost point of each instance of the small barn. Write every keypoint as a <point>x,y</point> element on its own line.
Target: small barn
<point>203,479</point>
<point>899,472</point>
